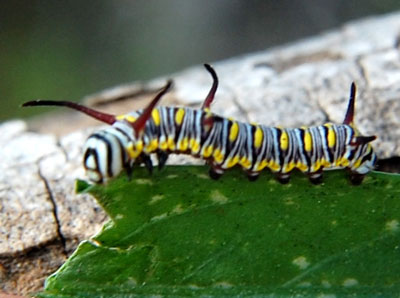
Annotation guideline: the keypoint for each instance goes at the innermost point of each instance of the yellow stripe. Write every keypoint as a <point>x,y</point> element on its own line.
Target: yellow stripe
<point>128,118</point>
<point>229,163</point>
<point>325,163</point>
<point>307,140</point>
<point>171,144</point>
<point>183,144</point>
<point>264,163</point>
<point>287,168</point>
<point>208,151</point>
<point>232,161</point>
<point>245,162</point>
<point>284,140</point>
<point>345,162</point>
<point>301,166</point>
<point>152,146</point>
<point>218,156</point>
<point>191,143</point>
<point>195,146</point>
<point>316,166</point>
<point>273,165</point>
<point>357,164</point>
<point>342,162</point>
<point>233,132</point>
<point>134,150</point>
<point>131,151</point>
<point>179,116</point>
<point>163,145</point>
<point>156,117</point>
<point>331,135</point>
<point>139,146</point>
<point>258,137</point>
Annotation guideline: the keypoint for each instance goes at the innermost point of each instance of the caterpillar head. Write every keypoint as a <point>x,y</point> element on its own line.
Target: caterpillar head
<point>106,152</point>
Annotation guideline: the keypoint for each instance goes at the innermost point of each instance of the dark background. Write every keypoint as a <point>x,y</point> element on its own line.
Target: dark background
<point>68,49</point>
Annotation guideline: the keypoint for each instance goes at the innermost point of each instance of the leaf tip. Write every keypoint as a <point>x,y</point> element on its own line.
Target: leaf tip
<point>81,186</point>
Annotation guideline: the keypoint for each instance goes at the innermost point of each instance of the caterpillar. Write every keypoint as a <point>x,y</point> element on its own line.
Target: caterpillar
<point>222,142</point>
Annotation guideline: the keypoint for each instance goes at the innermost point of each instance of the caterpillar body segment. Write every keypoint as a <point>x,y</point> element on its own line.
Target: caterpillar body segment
<point>222,142</point>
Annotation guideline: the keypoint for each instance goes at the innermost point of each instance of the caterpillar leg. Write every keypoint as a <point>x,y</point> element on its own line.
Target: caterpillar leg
<point>215,172</point>
<point>129,170</point>
<point>283,178</point>
<point>356,178</point>
<point>316,177</point>
<point>252,176</point>
<point>147,162</point>
<point>162,159</point>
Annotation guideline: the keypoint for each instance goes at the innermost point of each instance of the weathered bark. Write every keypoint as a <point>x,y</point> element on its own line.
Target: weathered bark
<point>303,83</point>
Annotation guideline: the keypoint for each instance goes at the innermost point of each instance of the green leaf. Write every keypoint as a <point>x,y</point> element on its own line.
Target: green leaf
<point>178,232</point>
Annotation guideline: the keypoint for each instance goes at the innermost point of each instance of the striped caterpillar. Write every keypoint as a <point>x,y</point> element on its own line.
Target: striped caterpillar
<point>222,142</point>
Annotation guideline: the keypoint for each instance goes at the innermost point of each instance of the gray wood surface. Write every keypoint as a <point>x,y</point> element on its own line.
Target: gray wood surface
<point>302,83</point>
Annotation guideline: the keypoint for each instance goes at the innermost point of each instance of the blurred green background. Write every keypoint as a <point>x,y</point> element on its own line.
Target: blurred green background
<point>69,49</point>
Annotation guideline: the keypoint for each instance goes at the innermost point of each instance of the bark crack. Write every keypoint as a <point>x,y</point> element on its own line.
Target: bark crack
<point>52,200</point>
<point>61,147</point>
